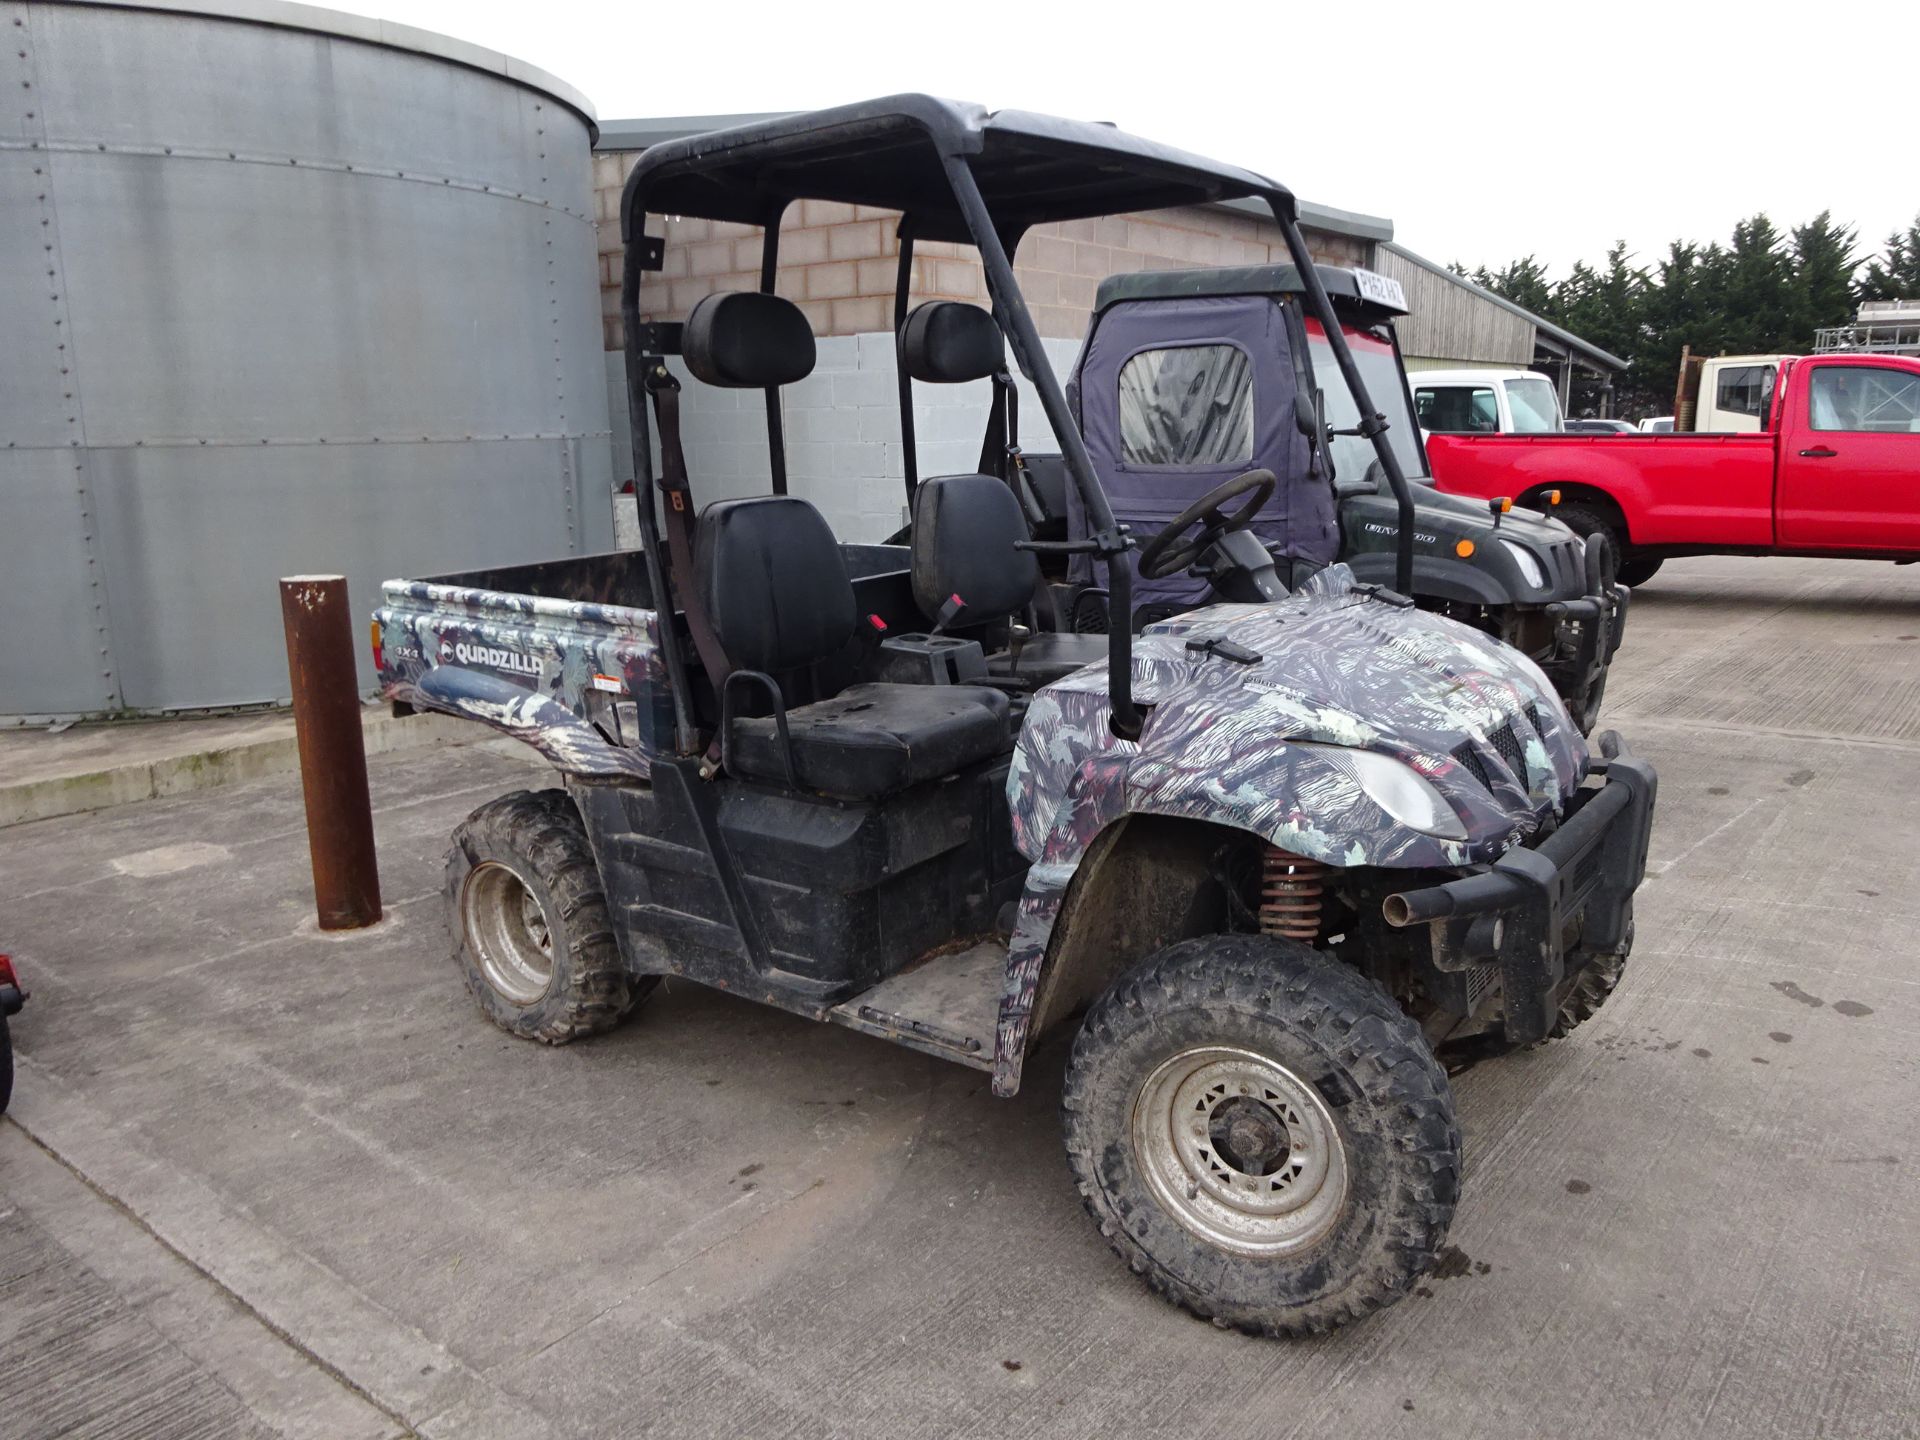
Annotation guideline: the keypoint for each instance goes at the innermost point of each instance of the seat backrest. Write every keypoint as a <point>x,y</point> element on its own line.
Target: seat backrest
<point>744,340</point>
<point>774,583</point>
<point>964,526</point>
<point>964,531</point>
<point>948,342</point>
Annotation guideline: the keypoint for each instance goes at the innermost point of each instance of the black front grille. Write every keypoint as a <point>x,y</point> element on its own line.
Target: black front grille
<point>1506,744</point>
<point>1465,755</point>
<point>1570,561</point>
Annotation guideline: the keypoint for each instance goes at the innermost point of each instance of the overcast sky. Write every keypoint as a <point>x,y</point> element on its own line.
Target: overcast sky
<point>1483,130</point>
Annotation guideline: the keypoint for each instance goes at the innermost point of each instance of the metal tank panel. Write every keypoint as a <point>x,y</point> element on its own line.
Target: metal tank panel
<point>276,301</point>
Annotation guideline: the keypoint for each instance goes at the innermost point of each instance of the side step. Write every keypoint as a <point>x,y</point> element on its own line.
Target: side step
<point>947,1006</point>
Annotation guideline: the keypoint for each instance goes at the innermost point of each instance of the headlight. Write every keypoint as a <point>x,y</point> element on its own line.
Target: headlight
<point>1398,789</point>
<point>1530,570</point>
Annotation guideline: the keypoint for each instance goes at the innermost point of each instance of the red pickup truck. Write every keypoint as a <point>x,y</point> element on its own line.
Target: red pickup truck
<point>1835,472</point>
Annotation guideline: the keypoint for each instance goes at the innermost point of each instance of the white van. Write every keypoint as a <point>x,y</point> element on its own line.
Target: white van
<point>1485,402</point>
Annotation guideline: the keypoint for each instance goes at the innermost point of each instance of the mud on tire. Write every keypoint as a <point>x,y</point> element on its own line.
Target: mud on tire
<point>1316,1026</point>
<point>529,921</point>
<point>1590,990</point>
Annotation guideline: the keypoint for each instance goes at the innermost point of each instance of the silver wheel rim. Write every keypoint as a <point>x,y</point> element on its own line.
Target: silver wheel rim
<point>507,927</point>
<point>1240,1151</point>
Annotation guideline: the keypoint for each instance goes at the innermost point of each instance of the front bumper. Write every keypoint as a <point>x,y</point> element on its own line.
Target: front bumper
<point>1541,912</point>
<point>1588,630</point>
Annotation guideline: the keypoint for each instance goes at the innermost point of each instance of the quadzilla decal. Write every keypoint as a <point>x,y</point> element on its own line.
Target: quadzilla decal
<point>525,665</point>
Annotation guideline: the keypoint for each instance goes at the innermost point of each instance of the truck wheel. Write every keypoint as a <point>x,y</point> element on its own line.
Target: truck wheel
<point>1585,518</point>
<point>1262,1134</point>
<point>1590,990</point>
<point>529,921</point>
<point>6,1065</point>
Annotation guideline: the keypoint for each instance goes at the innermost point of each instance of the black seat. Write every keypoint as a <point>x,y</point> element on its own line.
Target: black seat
<point>965,526</point>
<point>964,531</point>
<point>775,587</point>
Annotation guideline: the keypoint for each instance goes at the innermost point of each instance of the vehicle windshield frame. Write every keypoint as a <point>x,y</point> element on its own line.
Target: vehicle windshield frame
<point>1379,331</point>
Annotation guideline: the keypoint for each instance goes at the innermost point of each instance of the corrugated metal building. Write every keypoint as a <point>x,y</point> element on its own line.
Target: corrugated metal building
<point>281,290</point>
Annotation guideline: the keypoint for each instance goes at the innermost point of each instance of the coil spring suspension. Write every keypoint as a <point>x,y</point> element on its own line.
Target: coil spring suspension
<point>1291,887</point>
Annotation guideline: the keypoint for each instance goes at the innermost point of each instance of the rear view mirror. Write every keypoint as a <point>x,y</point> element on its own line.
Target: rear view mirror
<point>1304,416</point>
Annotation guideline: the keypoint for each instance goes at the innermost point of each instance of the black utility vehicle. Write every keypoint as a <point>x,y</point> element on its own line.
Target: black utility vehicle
<point>1277,859</point>
<point>1188,377</point>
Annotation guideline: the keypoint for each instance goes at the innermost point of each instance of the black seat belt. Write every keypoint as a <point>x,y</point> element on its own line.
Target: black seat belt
<point>665,391</point>
<point>1000,452</point>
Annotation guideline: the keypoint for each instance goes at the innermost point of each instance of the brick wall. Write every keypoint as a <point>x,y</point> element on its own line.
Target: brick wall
<point>842,426</point>
<point>838,262</point>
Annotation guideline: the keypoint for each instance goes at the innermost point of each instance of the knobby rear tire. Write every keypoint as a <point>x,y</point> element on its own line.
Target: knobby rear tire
<point>538,837</point>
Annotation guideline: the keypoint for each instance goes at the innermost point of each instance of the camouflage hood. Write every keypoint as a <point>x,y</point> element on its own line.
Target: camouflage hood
<point>1337,667</point>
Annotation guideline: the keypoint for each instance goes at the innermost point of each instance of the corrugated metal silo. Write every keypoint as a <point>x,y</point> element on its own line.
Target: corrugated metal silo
<point>281,290</point>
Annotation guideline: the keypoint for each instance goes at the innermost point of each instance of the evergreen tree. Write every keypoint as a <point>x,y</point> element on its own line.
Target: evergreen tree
<point>1524,282</point>
<point>1606,306</point>
<point>1757,302</point>
<point>1895,275</point>
<point>1824,261</point>
<point>1762,293</point>
<point>1679,312</point>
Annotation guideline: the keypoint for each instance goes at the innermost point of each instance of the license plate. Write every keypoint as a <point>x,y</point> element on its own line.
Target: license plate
<point>1380,289</point>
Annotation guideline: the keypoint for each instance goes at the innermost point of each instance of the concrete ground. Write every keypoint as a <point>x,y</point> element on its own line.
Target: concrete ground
<point>259,1181</point>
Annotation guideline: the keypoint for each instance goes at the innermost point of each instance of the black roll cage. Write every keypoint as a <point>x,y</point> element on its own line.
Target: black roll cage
<point>994,176</point>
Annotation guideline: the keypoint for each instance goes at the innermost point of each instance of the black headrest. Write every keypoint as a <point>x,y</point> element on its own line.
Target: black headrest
<point>773,581</point>
<point>745,340</point>
<point>964,530</point>
<point>947,341</point>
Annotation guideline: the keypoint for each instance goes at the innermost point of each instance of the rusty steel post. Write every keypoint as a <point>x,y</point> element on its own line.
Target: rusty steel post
<point>333,755</point>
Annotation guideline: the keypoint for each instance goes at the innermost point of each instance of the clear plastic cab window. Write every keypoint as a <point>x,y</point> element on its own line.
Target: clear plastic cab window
<point>1187,405</point>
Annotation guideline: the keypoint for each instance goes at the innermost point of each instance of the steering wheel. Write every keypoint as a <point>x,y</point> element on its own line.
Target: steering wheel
<point>1162,557</point>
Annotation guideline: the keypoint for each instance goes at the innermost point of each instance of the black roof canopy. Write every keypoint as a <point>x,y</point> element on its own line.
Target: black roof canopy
<point>1031,169</point>
<point>1342,286</point>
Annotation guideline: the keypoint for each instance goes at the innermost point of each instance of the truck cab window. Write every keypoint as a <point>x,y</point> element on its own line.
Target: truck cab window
<point>1457,410</point>
<point>1536,410</point>
<point>1187,405</point>
<point>1864,398</point>
<point>1745,390</point>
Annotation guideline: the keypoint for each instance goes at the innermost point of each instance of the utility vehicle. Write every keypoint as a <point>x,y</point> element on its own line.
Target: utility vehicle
<point>1283,858</point>
<point>1189,377</point>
